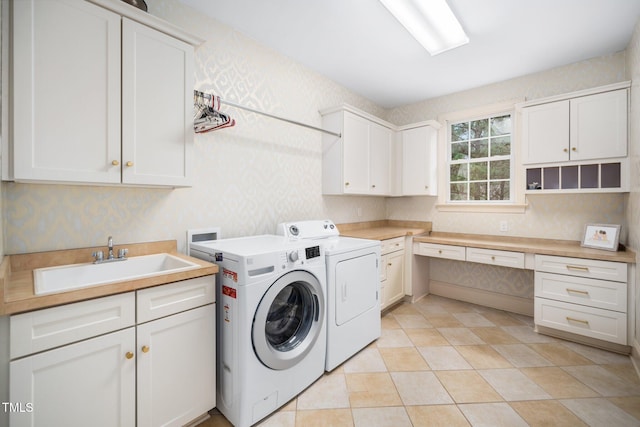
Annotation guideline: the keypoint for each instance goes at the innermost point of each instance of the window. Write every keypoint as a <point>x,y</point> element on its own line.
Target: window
<point>480,160</point>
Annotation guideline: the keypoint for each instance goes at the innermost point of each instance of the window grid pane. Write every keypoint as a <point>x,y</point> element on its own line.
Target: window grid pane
<point>480,162</point>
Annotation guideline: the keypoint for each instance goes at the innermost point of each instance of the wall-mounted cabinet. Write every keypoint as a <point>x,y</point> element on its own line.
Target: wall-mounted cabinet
<point>85,102</point>
<point>360,161</point>
<point>577,142</point>
<point>374,157</point>
<point>419,161</point>
<point>589,127</point>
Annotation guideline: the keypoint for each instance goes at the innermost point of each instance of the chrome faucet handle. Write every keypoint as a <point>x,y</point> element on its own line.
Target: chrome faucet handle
<point>98,256</point>
<point>122,253</point>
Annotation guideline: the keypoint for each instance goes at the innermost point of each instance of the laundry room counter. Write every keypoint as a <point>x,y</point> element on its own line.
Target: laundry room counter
<point>384,229</point>
<point>16,276</point>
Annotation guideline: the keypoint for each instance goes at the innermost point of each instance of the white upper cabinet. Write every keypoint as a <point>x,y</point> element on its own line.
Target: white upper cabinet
<point>358,162</point>
<point>157,107</point>
<point>588,127</point>
<point>97,97</point>
<point>599,126</point>
<point>419,161</point>
<point>66,91</point>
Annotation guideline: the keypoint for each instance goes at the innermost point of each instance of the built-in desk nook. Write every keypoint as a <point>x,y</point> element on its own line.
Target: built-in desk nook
<point>572,292</point>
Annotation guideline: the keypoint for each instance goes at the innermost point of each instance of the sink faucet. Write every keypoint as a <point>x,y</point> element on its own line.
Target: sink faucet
<point>99,258</point>
<point>110,247</point>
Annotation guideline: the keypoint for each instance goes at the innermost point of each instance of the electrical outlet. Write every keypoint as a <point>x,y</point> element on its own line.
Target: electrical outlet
<point>504,226</point>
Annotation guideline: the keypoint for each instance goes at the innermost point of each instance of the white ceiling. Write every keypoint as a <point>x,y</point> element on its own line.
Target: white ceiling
<point>360,45</point>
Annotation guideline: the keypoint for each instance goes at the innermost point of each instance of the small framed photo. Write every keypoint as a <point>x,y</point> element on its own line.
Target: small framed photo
<point>601,236</point>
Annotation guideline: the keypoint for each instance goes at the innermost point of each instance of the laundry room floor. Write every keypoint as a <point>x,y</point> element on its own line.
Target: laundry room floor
<point>446,362</point>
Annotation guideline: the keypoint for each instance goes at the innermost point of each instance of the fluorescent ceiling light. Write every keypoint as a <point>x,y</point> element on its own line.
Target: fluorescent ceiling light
<point>430,22</point>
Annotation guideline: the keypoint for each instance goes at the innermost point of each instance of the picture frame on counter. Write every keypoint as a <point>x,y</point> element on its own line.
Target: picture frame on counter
<point>601,236</point>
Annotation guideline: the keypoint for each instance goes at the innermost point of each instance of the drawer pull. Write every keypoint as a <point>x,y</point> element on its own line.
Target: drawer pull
<point>577,267</point>
<point>571,319</point>
<point>439,251</point>
<point>577,291</point>
<point>493,258</point>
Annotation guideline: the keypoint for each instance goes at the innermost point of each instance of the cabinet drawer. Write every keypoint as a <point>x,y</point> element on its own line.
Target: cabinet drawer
<point>493,257</point>
<point>441,251</point>
<point>588,321</point>
<point>52,327</point>
<point>595,269</point>
<point>391,245</point>
<point>579,290</point>
<point>160,301</point>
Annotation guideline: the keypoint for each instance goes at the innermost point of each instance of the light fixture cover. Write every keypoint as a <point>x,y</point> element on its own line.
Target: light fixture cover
<point>430,22</point>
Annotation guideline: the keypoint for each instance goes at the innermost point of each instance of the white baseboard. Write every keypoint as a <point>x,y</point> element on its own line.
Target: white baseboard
<point>481,297</point>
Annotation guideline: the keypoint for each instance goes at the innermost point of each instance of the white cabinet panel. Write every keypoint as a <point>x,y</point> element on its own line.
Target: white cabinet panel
<point>157,109</point>
<point>66,101</point>
<point>380,140</point>
<point>90,383</point>
<point>356,154</point>
<point>176,368</point>
<point>494,257</point>
<point>599,126</point>
<point>161,301</point>
<point>419,161</point>
<point>52,327</point>
<point>545,133</point>
<point>578,290</point>
<point>595,269</point>
<point>591,322</point>
<point>441,251</point>
<point>393,264</point>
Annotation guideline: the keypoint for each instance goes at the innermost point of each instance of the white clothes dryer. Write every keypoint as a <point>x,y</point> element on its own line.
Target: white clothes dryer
<point>271,333</point>
<point>353,287</point>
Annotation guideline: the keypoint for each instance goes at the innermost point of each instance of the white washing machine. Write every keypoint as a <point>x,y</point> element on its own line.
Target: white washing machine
<point>271,296</point>
<point>353,287</point>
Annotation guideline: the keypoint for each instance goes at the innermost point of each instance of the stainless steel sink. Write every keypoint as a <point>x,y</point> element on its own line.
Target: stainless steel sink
<point>76,276</point>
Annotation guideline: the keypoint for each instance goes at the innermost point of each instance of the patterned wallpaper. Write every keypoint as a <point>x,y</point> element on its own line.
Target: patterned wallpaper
<point>262,172</point>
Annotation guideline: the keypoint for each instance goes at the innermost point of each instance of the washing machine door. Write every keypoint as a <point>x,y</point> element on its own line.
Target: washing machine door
<point>288,320</point>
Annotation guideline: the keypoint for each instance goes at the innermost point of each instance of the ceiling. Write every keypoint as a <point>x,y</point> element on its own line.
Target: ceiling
<point>360,45</point>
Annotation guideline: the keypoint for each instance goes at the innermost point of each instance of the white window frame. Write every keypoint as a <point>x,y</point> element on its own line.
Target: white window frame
<point>517,204</point>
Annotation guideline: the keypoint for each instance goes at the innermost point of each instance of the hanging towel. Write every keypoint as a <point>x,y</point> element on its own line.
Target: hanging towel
<point>207,115</point>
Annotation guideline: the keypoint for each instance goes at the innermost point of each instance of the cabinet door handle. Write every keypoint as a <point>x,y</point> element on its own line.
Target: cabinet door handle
<point>389,264</point>
<point>572,319</point>
<point>145,349</point>
<point>129,163</point>
<point>129,355</point>
<point>115,163</point>
<point>574,149</point>
<point>577,267</point>
<point>346,183</point>
<point>373,186</point>
<point>565,150</point>
<point>577,291</point>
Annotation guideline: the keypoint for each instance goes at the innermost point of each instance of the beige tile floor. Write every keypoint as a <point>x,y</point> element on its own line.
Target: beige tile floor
<point>441,362</point>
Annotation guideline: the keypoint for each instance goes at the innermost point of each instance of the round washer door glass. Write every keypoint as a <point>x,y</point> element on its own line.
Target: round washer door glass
<point>288,320</point>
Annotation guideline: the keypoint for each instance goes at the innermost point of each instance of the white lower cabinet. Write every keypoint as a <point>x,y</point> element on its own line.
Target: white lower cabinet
<point>392,271</point>
<point>87,383</point>
<point>582,296</point>
<point>158,373</point>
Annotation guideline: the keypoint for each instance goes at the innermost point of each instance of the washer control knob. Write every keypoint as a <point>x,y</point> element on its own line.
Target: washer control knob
<point>293,256</point>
